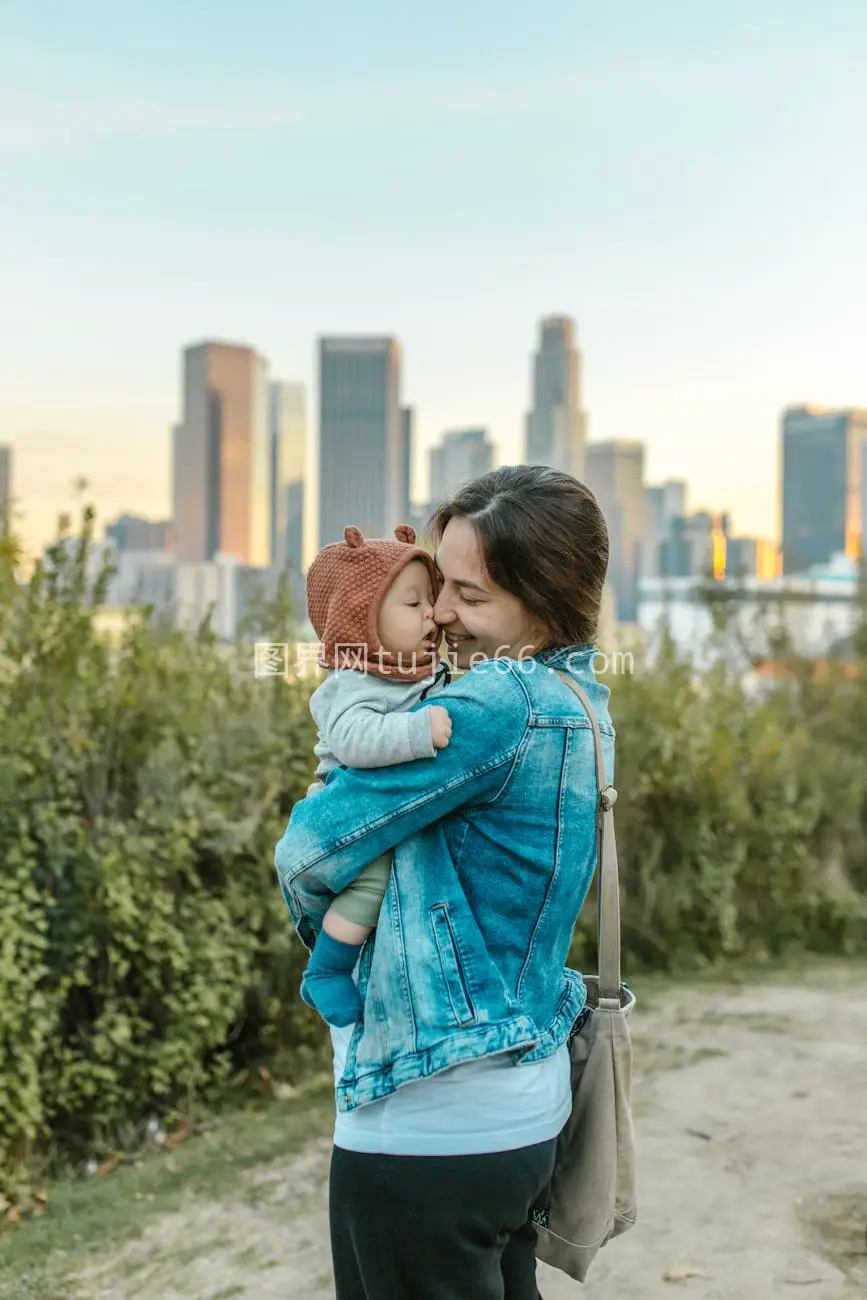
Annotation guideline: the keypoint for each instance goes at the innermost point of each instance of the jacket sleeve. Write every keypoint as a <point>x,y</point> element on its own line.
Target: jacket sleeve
<point>333,834</point>
<point>362,733</point>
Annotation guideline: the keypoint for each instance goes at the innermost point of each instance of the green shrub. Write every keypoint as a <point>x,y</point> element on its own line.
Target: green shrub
<point>145,950</point>
<point>741,825</point>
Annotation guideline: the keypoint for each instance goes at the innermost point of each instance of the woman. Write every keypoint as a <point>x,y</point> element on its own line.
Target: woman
<point>453,1087</point>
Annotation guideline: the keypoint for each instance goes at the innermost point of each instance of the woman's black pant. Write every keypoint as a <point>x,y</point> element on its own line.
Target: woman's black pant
<point>437,1227</point>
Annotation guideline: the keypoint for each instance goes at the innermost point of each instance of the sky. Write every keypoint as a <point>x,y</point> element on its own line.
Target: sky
<point>686,180</point>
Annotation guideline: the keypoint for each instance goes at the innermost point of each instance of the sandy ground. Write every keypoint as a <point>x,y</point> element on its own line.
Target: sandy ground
<point>751,1117</point>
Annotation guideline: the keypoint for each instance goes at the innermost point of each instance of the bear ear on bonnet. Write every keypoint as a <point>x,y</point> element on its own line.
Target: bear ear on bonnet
<point>353,537</point>
<point>405,533</point>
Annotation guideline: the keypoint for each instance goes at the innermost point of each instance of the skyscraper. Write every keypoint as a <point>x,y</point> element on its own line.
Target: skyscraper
<point>287,422</point>
<point>823,459</point>
<point>407,416</point>
<point>556,427</point>
<point>696,546</point>
<point>221,474</point>
<point>746,557</point>
<point>462,455</point>
<point>666,502</point>
<point>361,435</point>
<point>615,475</point>
<point>5,486</point>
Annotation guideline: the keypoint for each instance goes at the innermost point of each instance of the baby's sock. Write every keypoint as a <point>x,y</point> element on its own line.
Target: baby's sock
<point>328,985</point>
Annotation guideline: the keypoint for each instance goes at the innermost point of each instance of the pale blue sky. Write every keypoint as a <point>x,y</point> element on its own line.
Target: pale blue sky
<point>686,179</point>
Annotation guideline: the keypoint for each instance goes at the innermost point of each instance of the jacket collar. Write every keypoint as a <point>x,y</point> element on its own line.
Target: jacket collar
<point>563,656</point>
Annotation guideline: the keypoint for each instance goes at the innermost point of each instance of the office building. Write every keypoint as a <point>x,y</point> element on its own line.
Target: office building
<point>135,533</point>
<point>5,486</point>
<point>462,455</point>
<point>696,546</point>
<point>407,445</point>
<point>688,550</point>
<point>223,590</point>
<point>361,437</point>
<point>666,502</point>
<point>221,487</point>
<point>751,557</point>
<point>615,475</point>
<point>823,495</point>
<point>419,516</point>
<point>287,423</point>
<point>556,431</point>
<point>674,552</point>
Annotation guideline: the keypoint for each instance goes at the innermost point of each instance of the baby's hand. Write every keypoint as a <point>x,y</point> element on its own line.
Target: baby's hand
<point>440,726</point>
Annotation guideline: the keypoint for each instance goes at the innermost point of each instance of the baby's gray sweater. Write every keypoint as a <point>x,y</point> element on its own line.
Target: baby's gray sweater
<point>363,720</point>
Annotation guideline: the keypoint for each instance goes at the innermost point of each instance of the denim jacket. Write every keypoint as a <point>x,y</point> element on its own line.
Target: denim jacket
<point>494,852</point>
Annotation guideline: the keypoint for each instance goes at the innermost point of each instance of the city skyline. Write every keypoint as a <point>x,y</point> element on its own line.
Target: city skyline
<point>306,455</point>
<point>234,527</point>
<point>450,180</point>
<point>422,452</point>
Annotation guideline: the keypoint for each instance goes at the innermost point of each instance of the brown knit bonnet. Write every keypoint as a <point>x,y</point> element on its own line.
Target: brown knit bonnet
<point>346,584</point>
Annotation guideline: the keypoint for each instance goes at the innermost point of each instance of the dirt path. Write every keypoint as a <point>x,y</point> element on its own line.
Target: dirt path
<point>751,1114</point>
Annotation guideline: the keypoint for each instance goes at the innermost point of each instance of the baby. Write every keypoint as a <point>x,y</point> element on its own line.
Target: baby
<point>371,606</point>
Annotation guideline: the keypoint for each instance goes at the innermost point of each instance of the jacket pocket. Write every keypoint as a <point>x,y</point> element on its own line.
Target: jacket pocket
<point>452,968</point>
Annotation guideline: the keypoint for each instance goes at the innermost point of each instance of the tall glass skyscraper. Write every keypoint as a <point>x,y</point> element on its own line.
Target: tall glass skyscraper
<point>615,476</point>
<point>556,427</point>
<point>407,417</point>
<point>221,477</point>
<point>287,419</point>
<point>362,437</point>
<point>823,459</point>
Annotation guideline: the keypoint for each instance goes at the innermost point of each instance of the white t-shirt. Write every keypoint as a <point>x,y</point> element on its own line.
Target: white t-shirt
<point>471,1109</point>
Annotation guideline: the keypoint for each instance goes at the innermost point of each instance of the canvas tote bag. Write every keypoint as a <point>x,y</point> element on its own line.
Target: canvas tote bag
<point>593,1195</point>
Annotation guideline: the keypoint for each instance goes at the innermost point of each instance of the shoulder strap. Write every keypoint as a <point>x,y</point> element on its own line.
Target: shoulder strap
<point>608,890</point>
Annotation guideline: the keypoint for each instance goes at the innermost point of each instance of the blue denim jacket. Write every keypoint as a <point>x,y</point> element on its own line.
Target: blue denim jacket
<point>495,849</point>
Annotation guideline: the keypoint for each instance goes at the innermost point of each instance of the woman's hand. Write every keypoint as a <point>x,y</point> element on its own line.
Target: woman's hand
<point>440,726</point>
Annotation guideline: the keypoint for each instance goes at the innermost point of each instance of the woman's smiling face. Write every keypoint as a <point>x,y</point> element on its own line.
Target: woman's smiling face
<point>479,619</point>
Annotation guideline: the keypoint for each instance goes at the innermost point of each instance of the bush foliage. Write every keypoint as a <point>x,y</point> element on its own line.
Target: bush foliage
<point>741,824</point>
<point>145,950</point>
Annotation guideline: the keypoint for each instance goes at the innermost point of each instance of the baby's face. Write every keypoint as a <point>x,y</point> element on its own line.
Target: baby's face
<point>405,623</point>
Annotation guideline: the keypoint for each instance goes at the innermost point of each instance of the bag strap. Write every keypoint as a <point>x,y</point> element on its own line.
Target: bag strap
<point>608,923</point>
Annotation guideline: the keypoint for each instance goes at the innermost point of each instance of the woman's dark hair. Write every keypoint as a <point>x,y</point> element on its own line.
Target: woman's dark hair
<point>543,538</point>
